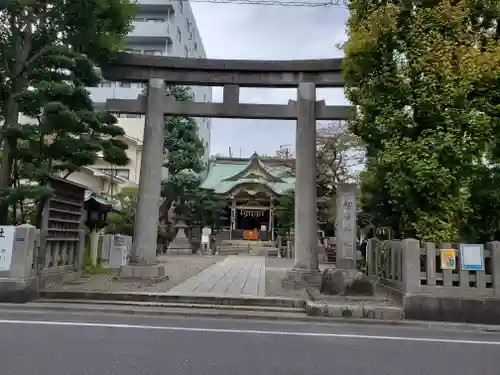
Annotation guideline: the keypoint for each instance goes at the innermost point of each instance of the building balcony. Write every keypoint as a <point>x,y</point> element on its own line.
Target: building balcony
<point>100,94</point>
<point>151,32</point>
<point>155,6</point>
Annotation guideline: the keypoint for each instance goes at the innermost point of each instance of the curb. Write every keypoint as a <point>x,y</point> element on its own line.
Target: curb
<point>357,311</point>
<point>175,298</point>
<point>145,310</point>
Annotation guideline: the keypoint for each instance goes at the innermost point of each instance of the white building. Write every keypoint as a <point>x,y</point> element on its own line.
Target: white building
<point>166,28</point>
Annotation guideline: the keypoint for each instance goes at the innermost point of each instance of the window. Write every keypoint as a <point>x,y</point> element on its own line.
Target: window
<point>188,24</point>
<point>106,84</point>
<point>181,6</point>
<point>186,51</point>
<point>125,84</point>
<point>155,20</point>
<point>190,35</point>
<point>133,115</point>
<point>179,35</point>
<point>139,19</point>
<point>206,146</point>
<point>195,47</point>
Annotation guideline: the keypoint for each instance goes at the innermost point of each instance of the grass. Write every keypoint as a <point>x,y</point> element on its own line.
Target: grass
<point>90,269</point>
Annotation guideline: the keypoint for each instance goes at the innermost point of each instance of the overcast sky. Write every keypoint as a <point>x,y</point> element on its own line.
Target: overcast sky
<point>270,33</point>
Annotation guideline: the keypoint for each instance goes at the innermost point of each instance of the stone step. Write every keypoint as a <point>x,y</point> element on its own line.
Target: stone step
<point>200,299</point>
<point>277,309</point>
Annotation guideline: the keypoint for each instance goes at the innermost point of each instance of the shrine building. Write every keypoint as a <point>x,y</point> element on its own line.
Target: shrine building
<point>250,187</point>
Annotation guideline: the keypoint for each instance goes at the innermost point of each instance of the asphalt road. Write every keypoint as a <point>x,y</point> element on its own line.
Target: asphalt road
<point>86,344</point>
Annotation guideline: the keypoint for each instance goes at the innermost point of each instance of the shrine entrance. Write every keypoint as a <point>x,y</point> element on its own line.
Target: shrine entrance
<point>252,219</point>
<point>157,71</point>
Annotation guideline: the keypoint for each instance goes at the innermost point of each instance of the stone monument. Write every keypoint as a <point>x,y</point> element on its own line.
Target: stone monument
<point>345,279</point>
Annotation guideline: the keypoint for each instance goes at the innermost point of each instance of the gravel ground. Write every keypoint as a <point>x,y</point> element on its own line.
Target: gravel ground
<point>276,288</point>
<point>179,269</point>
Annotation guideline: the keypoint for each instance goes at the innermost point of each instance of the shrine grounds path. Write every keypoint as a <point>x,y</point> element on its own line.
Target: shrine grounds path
<point>35,343</point>
<point>194,274</point>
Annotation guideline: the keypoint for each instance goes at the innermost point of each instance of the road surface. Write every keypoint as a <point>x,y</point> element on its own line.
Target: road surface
<point>34,343</point>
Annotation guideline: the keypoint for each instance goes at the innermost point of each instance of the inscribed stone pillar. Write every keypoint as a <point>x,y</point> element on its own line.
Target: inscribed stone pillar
<point>306,257</point>
<point>346,226</point>
<point>148,200</point>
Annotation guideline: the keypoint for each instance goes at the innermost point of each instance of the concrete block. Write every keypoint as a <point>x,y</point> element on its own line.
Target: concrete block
<point>18,290</point>
<point>354,311</point>
<point>468,310</point>
<point>154,272</point>
<point>316,309</point>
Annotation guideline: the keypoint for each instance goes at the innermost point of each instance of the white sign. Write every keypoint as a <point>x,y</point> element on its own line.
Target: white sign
<point>472,257</point>
<point>207,231</point>
<point>6,246</point>
<point>205,239</point>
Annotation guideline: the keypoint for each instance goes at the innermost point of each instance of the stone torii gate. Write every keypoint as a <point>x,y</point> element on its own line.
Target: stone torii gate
<point>305,75</point>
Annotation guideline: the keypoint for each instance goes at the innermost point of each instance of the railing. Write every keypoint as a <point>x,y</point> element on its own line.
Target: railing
<point>384,262</point>
<point>415,268</point>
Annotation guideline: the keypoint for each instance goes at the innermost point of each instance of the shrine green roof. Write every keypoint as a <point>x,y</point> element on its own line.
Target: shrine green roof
<point>225,174</point>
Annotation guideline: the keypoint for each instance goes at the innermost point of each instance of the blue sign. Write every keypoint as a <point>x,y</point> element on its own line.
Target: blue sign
<point>472,257</point>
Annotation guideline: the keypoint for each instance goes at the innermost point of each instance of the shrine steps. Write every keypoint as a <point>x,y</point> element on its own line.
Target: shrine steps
<point>242,247</point>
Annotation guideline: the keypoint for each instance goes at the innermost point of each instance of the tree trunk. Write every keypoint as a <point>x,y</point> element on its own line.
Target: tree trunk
<point>11,121</point>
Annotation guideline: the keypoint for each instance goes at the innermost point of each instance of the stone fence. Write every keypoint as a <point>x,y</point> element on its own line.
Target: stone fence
<point>28,262</point>
<point>113,250</point>
<point>435,286</point>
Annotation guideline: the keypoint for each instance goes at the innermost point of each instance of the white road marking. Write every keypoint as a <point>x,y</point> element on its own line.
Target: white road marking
<point>248,331</point>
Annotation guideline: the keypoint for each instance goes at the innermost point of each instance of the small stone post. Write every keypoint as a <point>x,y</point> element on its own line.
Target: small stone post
<point>346,226</point>
<point>495,265</point>
<point>18,281</point>
<point>306,257</point>
<point>410,252</point>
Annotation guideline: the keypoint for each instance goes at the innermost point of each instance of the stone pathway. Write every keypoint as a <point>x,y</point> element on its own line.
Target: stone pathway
<point>235,276</point>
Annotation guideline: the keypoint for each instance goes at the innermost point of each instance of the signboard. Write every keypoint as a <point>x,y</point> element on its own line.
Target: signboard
<point>472,257</point>
<point>448,259</point>
<point>6,246</point>
<point>205,238</point>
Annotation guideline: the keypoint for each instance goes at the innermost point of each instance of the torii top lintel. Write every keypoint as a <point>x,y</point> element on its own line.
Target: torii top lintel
<point>128,67</point>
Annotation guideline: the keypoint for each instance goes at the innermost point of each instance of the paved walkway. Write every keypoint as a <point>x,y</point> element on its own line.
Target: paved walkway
<point>235,276</point>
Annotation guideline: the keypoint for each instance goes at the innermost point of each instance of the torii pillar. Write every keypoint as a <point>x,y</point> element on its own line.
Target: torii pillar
<point>305,269</point>
<point>143,258</point>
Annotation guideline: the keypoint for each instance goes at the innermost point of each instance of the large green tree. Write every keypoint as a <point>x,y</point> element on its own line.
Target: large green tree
<point>40,42</point>
<point>417,72</point>
<point>183,152</point>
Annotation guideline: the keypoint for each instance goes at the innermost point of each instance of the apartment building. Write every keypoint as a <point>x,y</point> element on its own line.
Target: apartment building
<point>162,28</point>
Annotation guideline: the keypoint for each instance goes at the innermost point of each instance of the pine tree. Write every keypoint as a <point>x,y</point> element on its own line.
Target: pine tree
<point>40,43</point>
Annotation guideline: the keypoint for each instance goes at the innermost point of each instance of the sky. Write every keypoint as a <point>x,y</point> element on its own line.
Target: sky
<point>235,31</point>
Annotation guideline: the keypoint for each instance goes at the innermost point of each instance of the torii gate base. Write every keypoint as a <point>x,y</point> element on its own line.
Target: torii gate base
<point>232,74</point>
